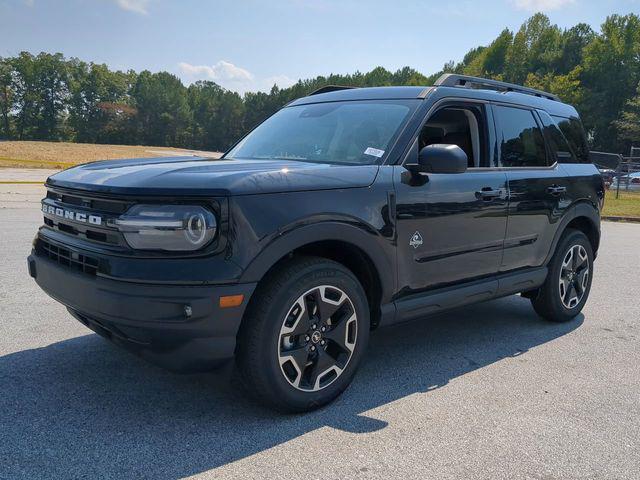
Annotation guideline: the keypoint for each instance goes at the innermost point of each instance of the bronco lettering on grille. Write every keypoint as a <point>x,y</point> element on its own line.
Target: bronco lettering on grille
<point>71,215</point>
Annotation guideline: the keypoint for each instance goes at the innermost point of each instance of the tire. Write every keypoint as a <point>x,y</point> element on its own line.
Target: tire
<point>284,362</point>
<point>566,290</point>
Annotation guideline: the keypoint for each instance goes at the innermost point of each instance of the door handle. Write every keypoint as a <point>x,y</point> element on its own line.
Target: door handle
<point>488,193</point>
<point>556,190</point>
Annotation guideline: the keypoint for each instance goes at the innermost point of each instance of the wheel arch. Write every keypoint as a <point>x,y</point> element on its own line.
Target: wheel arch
<point>584,217</point>
<point>359,250</point>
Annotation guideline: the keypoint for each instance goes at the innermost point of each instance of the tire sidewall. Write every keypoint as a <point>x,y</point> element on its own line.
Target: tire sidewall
<point>325,273</point>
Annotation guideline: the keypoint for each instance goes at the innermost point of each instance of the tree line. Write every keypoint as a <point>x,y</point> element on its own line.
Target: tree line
<point>49,97</point>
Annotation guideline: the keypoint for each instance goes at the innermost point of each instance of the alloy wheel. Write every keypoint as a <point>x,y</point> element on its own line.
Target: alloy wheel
<point>574,276</point>
<point>317,338</point>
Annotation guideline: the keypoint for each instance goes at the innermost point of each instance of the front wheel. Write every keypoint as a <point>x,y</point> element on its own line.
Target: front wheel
<point>567,287</point>
<point>304,335</point>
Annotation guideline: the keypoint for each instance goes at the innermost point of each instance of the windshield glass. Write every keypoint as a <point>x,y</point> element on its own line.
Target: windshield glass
<point>353,133</point>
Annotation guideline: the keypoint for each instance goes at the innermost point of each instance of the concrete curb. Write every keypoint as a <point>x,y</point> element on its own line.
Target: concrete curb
<point>621,219</point>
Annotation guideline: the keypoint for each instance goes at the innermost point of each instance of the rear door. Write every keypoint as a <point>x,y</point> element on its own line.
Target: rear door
<point>538,186</point>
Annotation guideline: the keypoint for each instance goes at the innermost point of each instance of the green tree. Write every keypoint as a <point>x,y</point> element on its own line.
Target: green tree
<point>611,74</point>
<point>218,116</point>
<point>496,53</point>
<point>6,95</point>
<point>628,124</point>
<point>568,87</point>
<point>574,41</point>
<point>516,67</point>
<point>97,95</point>
<point>163,113</point>
<point>40,86</point>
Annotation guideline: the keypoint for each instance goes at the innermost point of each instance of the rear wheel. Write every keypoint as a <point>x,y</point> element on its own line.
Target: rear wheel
<point>304,335</point>
<point>565,292</point>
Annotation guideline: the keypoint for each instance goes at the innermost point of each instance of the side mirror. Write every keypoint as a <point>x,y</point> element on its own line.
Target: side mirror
<point>440,158</point>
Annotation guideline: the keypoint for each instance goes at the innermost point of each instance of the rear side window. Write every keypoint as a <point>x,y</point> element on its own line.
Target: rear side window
<point>521,140</point>
<point>574,133</point>
<point>558,144</point>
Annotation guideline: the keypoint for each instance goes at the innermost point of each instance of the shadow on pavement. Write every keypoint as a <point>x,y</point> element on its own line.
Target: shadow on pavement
<point>81,407</point>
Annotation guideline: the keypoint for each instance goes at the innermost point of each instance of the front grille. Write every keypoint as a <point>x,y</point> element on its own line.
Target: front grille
<point>106,209</point>
<point>100,236</point>
<point>77,200</point>
<point>66,257</point>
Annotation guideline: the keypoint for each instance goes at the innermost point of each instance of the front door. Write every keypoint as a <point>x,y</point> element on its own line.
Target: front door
<point>451,227</point>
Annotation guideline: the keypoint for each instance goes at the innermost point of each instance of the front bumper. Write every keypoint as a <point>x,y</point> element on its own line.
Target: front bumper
<point>179,327</point>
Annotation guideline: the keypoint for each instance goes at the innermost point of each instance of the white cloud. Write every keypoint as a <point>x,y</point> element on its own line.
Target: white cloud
<point>137,6</point>
<point>232,77</point>
<point>281,81</point>
<point>541,5</point>
<point>222,71</point>
<point>28,3</point>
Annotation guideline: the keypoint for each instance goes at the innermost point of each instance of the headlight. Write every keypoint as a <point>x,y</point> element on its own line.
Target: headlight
<point>167,227</point>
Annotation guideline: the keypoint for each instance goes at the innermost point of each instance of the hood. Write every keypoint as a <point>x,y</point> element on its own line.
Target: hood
<point>210,177</point>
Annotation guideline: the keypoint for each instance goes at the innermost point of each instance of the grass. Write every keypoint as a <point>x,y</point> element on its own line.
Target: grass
<point>628,205</point>
<point>58,155</point>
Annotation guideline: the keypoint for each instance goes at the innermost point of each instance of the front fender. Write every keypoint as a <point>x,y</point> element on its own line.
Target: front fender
<point>369,241</point>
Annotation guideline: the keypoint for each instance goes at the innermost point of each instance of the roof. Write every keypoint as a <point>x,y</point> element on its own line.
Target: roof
<point>366,93</point>
<point>553,107</point>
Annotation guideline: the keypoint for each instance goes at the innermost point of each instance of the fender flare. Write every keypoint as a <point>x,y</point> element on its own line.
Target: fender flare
<point>363,237</point>
<point>580,209</point>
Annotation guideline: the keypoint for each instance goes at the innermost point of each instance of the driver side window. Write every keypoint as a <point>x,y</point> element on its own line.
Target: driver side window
<point>460,125</point>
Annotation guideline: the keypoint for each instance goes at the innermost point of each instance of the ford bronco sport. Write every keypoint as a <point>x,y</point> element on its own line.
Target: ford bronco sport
<point>345,211</point>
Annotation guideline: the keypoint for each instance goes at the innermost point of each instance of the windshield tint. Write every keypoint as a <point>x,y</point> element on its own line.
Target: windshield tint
<point>339,132</point>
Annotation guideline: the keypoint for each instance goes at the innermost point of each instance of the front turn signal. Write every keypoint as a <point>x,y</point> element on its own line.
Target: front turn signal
<point>229,301</point>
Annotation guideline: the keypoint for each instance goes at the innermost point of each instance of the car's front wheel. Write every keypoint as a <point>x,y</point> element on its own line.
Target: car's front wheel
<point>568,283</point>
<point>303,335</point>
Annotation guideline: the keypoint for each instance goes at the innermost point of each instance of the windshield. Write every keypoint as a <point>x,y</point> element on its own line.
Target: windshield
<point>353,133</point>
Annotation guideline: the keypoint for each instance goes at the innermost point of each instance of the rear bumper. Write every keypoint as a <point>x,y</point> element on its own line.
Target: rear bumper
<point>181,328</point>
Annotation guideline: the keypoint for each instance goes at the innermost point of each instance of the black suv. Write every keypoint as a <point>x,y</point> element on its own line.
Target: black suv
<point>347,210</point>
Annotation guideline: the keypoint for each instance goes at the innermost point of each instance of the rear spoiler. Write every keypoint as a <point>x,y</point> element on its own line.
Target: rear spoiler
<point>605,160</point>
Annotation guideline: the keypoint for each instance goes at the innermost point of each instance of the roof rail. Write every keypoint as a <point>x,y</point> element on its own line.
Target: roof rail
<point>330,88</point>
<point>455,80</point>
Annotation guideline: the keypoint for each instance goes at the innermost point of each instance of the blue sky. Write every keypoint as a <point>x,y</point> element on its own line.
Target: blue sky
<point>249,44</point>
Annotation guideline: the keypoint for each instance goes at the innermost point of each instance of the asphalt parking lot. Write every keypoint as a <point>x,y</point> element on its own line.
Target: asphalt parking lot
<point>489,391</point>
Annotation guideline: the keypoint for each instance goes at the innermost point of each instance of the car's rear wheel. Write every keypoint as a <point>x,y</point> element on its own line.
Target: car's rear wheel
<point>303,335</point>
<point>568,283</point>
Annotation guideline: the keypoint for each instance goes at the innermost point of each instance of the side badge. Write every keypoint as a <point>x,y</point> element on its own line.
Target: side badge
<point>416,240</point>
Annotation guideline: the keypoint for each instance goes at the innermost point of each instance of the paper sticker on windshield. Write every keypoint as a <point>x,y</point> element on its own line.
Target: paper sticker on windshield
<point>374,152</point>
